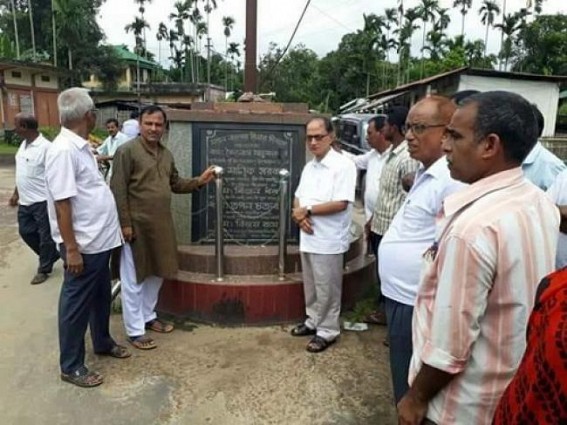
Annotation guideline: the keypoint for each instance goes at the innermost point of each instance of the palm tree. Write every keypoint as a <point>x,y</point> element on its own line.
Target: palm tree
<point>16,33</point>
<point>180,15</point>
<point>387,43</point>
<point>142,10</point>
<point>426,11</point>
<point>71,25</point>
<point>233,51</point>
<point>209,6</point>
<point>538,6</point>
<point>509,26</point>
<point>465,5</point>
<point>404,46</point>
<point>137,27</point>
<point>488,11</point>
<point>371,37</point>
<point>200,30</point>
<point>162,34</point>
<point>228,23</point>
<point>32,31</point>
<point>437,38</point>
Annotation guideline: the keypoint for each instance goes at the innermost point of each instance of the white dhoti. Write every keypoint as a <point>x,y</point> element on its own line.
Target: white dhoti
<point>138,299</point>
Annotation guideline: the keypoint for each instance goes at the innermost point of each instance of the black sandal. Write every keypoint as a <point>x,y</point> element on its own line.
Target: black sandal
<point>318,344</point>
<point>83,378</point>
<point>117,351</point>
<point>302,330</point>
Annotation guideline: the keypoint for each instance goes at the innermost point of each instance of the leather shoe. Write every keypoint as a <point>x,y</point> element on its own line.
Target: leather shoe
<point>39,278</point>
<point>302,330</point>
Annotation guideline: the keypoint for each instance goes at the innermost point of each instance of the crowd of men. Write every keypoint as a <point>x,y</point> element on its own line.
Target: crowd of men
<point>67,210</point>
<point>456,214</point>
<point>463,231</point>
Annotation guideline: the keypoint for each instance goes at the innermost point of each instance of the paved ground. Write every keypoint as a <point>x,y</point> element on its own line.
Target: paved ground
<point>200,375</point>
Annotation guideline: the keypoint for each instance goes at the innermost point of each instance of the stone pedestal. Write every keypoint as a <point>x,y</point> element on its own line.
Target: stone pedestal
<point>252,142</point>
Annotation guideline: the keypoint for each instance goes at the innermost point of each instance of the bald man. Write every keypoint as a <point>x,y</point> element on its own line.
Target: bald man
<point>412,229</point>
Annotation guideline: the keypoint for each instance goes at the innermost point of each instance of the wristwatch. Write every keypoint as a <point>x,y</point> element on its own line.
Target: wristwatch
<point>309,210</point>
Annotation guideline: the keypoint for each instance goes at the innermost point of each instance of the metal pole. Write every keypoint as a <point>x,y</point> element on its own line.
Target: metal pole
<point>219,242</point>
<point>284,178</point>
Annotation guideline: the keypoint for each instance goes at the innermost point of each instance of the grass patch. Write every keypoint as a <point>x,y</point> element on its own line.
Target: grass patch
<point>362,309</point>
<point>8,149</point>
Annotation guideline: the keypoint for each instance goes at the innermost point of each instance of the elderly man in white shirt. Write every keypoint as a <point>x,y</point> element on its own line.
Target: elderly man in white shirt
<point>412,230</point>
<point>30,195</point>
<point>84,223</point>
<point>323,211</point>
<point>106,151</point>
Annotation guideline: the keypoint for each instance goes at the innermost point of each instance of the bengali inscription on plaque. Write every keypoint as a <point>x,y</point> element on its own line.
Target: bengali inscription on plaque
<point>251,160</point>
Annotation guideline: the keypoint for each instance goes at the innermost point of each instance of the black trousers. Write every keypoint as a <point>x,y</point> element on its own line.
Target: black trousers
<point>375,240</point>
<point>84,300</point>
<point>33,224</point>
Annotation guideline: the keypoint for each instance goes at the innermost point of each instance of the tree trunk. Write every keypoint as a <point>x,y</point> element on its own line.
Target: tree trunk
<point>226,65</point>
<point>208,55</point>
<point>486,39</point>
<point>422,54</point>
<point>32,30</point>
<point>54,33</point>
<point>16,34</point>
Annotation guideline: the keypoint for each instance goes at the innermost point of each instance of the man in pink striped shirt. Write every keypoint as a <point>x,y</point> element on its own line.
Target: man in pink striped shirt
<point>495,241</point>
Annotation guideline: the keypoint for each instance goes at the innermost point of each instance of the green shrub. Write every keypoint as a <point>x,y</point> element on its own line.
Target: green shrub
<point>49,132</point>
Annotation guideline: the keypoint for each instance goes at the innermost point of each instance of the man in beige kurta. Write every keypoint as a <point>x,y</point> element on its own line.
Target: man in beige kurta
<point>143,179</point>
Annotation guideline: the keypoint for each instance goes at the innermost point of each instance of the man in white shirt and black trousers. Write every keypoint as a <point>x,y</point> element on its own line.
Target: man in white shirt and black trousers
<point>323,211</point>
<point>84,222</point>
<point>30,195</point>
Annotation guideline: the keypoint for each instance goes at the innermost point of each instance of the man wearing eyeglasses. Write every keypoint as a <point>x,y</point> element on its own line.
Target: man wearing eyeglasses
<point>496,239</point>
<point>393,189</point>
<point>322,209</point>
<point>412,230</point>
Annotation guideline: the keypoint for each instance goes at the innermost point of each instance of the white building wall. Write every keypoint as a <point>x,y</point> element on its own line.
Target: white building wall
<point>53,82</point>
<point>543,93</point>
<point>24,79</point>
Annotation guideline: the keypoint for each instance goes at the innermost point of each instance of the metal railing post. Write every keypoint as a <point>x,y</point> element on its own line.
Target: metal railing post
<point>219,240</point>
<point>282,249</point>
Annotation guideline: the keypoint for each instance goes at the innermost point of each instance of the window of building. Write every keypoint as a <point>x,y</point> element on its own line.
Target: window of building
<point>16,74</point>
<point>45,78</point>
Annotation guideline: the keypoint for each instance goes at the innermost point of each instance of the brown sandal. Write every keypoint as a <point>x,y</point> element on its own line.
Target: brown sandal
<point>160,326</point>
<point>142,342</point>
<point>83,378</point>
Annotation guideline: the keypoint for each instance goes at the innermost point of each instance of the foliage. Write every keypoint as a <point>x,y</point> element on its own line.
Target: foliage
<point>7,48</point>
<point>6,149</point>
<point>541,46</point>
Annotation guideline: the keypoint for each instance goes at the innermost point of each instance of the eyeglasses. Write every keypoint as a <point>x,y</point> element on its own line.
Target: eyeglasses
<point>419,129</point>
<point>316,137</point>
<point>94,111</point>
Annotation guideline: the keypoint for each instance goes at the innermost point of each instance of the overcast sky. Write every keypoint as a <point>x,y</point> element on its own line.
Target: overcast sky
<point>325,22</point>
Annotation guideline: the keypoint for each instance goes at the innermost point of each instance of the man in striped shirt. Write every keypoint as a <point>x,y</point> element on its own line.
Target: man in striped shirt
<point>496,240</point>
